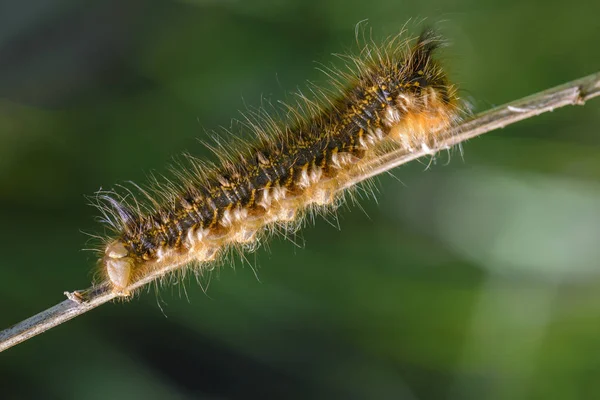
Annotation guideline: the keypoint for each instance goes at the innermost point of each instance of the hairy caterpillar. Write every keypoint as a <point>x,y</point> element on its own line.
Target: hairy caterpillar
<point>395,95</point>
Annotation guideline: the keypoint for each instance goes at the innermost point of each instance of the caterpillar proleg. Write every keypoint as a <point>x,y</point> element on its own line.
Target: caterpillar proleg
<point>395,95</point>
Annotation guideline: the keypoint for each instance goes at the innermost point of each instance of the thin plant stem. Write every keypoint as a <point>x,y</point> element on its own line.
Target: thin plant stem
<point>576,92</point>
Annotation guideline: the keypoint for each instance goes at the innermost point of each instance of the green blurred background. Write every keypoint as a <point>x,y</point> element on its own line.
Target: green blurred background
<point>479,279</point>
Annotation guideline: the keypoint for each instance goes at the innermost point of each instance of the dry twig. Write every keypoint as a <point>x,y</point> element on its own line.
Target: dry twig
<point>572,93</point>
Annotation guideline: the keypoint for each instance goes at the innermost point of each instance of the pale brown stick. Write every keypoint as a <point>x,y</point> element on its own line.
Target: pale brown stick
<point>572,93</point>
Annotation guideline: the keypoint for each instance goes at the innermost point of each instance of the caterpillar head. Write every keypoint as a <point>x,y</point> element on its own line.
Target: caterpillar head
<point>118,266</point>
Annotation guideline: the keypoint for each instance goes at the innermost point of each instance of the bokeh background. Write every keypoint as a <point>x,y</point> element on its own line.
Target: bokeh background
<point>473,279</point>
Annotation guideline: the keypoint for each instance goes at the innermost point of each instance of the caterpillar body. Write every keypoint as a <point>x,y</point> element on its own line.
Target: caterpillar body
<point>396,95</point>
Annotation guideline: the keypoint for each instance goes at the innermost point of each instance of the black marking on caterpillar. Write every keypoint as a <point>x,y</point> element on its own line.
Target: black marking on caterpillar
<point>394,94</point>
